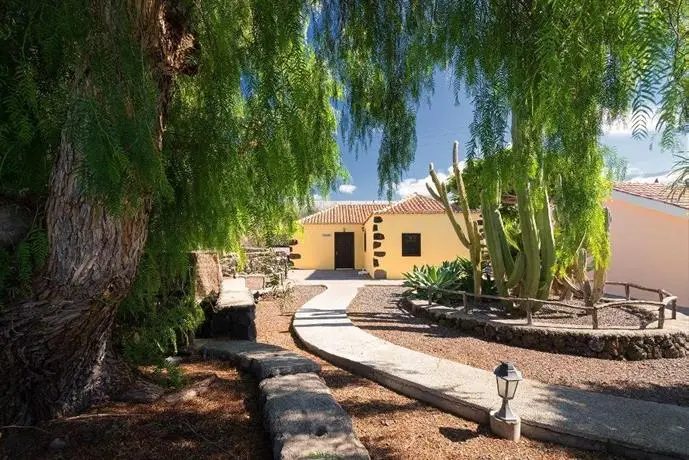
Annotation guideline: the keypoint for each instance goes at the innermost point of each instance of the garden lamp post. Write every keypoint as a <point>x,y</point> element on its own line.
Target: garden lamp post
<point>503,421</point>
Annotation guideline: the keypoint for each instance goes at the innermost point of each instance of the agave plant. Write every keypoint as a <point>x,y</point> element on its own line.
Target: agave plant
<point>450,275</point>
<point>455,275</point>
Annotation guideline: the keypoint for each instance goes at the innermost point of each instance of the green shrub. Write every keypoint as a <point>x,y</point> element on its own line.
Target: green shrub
<point>159,315</point>
<point>169,376</point>
<point>455,275</point>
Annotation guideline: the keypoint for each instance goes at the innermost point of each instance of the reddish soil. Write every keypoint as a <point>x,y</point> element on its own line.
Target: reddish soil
<point>218,424</point>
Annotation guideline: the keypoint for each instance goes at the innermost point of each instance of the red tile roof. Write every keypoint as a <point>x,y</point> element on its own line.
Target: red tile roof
<point>342,214</point>
<point>654,191</point>
<point>415,204</point>
<point>358,213</point>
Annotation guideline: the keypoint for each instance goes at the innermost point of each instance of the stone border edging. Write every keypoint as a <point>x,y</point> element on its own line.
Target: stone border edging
<point>299,412</point>
<point>615,344</point>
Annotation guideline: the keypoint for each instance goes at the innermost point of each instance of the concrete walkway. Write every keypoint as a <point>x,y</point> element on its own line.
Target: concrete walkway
<point>578,418</point>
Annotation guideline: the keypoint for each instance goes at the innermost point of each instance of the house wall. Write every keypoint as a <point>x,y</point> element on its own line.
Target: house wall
<point>438,242</point>
<point>368,254</point>
<point>316,246</point>
<point>649,247</point>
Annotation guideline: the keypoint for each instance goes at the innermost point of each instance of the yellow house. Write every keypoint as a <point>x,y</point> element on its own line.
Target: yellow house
<point>385,240</point>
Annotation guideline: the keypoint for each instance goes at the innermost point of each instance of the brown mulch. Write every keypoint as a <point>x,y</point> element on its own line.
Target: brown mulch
<point>376,310</point>
<point>629,317</point>
<point>390,425</point>
<point>221,423</point>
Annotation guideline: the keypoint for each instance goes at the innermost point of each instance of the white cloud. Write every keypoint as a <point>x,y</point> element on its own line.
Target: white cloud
<point>636,175</point>
<point>346,188</point>
<point>410,186</point>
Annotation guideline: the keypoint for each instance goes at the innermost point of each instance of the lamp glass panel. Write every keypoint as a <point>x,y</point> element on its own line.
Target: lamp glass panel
<point>512,388</point>
<point>502,387</point>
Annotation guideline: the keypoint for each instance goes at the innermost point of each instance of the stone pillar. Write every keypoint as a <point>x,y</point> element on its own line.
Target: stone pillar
<point>207,272</point>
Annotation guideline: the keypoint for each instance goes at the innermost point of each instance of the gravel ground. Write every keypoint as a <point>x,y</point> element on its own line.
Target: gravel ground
<point>631,317</point>
<point>393,426</point>
<point>662,380</point>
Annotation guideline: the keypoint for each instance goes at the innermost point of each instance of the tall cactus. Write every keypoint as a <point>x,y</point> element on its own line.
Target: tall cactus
<point>472,239</point>
<point>524,267</point>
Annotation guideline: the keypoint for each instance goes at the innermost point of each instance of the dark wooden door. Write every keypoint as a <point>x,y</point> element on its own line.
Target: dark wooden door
<point>344,250</point>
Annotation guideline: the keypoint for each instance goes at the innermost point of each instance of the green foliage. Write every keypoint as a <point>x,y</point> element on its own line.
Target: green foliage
<point>169,375</point>
<point>161,313</point>
<point>17,265</point>
<point>455,275</point>
<point>250,133</point>
<point>48,50</point>
<point>381,50</point>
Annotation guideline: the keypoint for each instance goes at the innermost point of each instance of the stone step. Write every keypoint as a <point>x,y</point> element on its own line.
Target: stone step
<point>259,359</point>
<point>305,421</point>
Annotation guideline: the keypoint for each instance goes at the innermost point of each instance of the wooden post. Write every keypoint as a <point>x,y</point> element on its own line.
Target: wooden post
<point>660,295</point>
<point>594,317</point>
<point>430,296</point>
<point>529,314</point>
<point>626,291</point>
<point>674,309</point>
<point>661,317</point>
<point>465,303</point>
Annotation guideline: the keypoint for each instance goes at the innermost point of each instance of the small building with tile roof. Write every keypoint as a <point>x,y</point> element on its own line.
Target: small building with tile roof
<point>384,239</point>
<point>649,237</point>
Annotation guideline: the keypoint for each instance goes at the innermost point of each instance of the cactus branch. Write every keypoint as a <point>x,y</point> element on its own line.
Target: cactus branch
<point>547,239</point>
<point>441,193</point>
<point>472,238</point>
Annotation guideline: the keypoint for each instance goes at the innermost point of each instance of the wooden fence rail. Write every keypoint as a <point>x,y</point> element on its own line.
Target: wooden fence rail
<point>666,300</point>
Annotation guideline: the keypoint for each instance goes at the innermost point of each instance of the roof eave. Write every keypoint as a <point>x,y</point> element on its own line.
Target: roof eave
<point>650,203</point>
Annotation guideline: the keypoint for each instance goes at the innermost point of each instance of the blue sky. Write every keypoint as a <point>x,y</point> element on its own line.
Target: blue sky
<point>443,122</point>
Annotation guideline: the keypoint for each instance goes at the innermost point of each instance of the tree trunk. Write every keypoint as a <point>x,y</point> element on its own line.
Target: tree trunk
<point>55,357</point>
<point>54,346</point>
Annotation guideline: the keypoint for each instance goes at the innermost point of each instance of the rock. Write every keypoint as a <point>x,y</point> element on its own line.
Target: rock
<point>281,363</point>
<point>612,346</point>
<point>671,353</point>
<point>559,343</point>
<point>326,447</point>
<point>174,360</point>
<point>270,262</point>
<point>260,359</point>
<point>305,421</point>
<point>229,264</point>
<point>596,344</point>
<point>233,315</point>
<point>207,272</point>
<point>507,333</point>
<point>635,353</point>
<point>57,444</point>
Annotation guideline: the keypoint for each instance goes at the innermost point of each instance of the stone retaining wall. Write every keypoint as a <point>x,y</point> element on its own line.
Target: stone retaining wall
<point>616,344</point>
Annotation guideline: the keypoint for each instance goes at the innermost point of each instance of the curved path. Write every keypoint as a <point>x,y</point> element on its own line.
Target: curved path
<point>564,415</point>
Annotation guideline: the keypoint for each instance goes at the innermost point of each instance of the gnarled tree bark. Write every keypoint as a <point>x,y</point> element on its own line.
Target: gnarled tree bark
<point>55,356</point>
